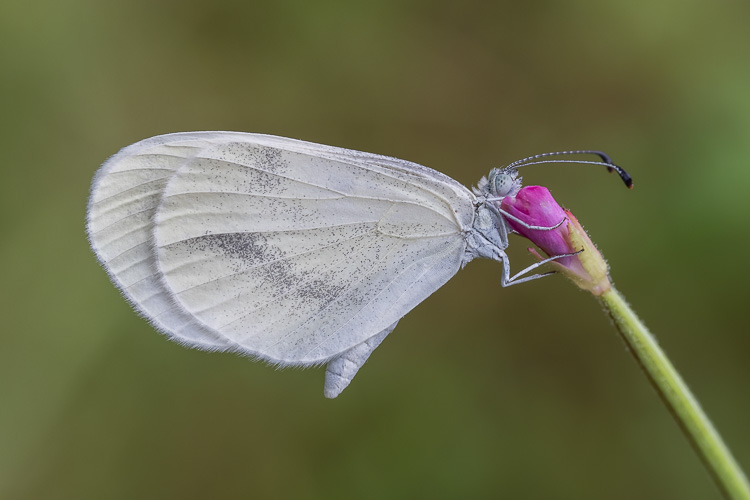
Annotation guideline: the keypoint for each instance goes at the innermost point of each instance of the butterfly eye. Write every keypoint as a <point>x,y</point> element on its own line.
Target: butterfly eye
<point>503,182</point>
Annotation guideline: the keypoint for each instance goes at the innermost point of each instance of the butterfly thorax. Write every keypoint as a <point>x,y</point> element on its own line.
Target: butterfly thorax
<point>488,237</point>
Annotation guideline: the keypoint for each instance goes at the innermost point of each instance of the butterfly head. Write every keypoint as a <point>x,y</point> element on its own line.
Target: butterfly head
<point>501,182</point>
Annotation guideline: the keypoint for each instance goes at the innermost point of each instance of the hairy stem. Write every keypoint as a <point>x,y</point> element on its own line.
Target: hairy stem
<point>678,398</point>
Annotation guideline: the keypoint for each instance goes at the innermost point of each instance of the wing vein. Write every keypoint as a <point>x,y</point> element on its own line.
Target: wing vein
<point>366,275</point>
<point>272,299</point>
<point>255,167</point>
<point>133,264</point>
<point>328,337</point>
<point>123,253</point>
<point>187,193</point>
<point>131,188</point>
<point>268,263</point>
<point>422,188</point>
<point>139,169</point>
<point>343,196</point>
<point>276,231</point>
<point>151,209</point>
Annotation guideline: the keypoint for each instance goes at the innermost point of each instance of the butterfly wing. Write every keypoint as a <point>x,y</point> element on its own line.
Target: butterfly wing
<point>124,197</point>
<point>291,251</point>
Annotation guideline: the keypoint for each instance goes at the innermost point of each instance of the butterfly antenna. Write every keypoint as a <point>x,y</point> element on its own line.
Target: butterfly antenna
<point>606,161</point>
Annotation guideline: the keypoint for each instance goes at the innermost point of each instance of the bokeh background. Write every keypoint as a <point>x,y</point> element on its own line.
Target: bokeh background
<point>481,392</point>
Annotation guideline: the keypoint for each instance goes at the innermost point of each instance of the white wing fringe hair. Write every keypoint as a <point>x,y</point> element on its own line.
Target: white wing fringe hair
<point>292,252</point>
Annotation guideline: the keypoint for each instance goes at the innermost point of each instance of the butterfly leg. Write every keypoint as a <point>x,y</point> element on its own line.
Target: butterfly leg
<point>505,214</point>
<point>341,370</point>
<point>508,280</point>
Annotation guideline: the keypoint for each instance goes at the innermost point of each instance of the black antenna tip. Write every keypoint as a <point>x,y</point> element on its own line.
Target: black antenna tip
<point>620,171</point>
<point>623,175</point>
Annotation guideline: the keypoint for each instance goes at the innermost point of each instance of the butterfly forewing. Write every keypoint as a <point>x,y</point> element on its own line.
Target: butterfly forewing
<point>296,254</point>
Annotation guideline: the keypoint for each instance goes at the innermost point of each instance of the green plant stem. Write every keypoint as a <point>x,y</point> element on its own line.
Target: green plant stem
<point>678,398</point>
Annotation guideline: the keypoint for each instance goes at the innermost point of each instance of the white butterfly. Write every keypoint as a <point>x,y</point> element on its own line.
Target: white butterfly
<point>292,252</point>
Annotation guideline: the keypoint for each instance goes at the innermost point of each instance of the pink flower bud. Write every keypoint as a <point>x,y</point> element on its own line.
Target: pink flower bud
<point>536,207</point>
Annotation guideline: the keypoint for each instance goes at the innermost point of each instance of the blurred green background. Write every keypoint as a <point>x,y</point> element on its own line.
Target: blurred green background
<point>481,392</point>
